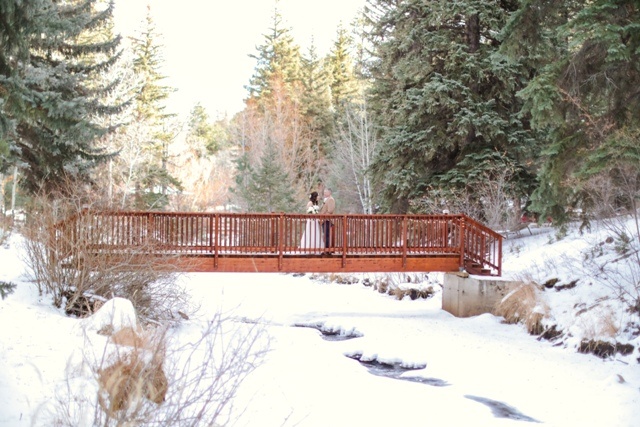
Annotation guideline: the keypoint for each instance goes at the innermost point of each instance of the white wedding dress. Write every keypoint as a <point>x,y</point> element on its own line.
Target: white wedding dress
<point>312,235</point>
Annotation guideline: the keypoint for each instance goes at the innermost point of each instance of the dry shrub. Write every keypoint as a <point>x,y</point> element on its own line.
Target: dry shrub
<point>613,201</point>
<point>156,377</point>
<point>157,381</point>
<point>607,324</point>
<point>522,305</point>
<point>129,380</point>
<point>386,283</point>
<point>6,224</point>
<point>129,337</point>
<point>395,285</point>
<point>381,285</point>
<point>134,375</point>
<point>400,293</point>
<point>339,278</point>
<point>491,198</point>
<point>597,321</point>
<point>63,262</point>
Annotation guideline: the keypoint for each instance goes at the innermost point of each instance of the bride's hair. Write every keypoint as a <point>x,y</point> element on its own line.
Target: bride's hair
<point>314,197</point>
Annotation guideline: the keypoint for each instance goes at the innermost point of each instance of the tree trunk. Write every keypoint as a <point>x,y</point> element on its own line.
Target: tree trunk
<point>13,192</point>
<point>473,33</point>
<point>473,43</point>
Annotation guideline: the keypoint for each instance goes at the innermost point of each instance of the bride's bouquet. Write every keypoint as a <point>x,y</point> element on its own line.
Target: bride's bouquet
<point>313,209</point>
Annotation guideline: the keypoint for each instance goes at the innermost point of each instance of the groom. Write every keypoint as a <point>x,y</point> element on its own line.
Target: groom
<point>328,207</point>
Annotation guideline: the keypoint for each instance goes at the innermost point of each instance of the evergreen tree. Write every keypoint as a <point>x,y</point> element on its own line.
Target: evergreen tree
<point>340,65</point>
<point>113,177</point>
<point>585,61</point>
<point>274,113</point>
<point>153,179</point>
<point>268,188</point>
<point>51,96</point>
<point>18,24</point>
<point>278,60</point>
<point>442,93</point>
<point>200,162</point>
<point>203,136</point>
<point>316,100</point>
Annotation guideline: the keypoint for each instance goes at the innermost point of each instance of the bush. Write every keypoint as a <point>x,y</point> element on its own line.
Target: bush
<point>65,265</point>
<point>152,377</point>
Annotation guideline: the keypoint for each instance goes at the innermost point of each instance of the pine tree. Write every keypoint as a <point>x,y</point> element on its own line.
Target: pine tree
<point>316,100</point>
<point>274,113</point>
<point>442,92</point>
<point>278,60</point>
<point>585,62</point>
<point>50,87</point>
<point>205,136</point>
<point>18,25</point>
<point>268,188</point>
<point>199,162</point>
<point>153,179</point>
<point>340,65</point>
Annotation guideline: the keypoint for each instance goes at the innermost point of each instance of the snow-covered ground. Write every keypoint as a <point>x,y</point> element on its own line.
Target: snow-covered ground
<point>423,365</point>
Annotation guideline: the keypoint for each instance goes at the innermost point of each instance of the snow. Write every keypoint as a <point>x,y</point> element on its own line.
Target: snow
<point>449,371</point>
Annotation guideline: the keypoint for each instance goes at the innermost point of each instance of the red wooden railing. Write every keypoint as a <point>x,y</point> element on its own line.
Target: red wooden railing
<point>356,241</point>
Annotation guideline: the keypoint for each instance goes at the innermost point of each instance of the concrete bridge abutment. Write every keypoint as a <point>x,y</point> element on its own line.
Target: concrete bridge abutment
<point>464,295</point>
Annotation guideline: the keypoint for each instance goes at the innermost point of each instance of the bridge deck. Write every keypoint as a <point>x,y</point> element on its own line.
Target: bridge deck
<point>277,242</point>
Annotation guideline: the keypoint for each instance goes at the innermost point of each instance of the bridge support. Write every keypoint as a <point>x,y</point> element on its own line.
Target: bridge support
<point>465,296</point>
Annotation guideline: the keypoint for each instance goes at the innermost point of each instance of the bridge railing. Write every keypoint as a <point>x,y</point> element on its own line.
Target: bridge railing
<point>281,234</point>
<point>482,246</point>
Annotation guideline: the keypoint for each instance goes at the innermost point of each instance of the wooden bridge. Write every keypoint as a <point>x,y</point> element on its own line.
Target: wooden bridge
<point>232,242</point>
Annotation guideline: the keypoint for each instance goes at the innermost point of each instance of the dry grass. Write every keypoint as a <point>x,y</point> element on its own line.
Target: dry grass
<point>522,305</point>
<point>134,376</point>
<point>401,293</point>
<point>382,285</point>
<point>597,321</point>
<point>397,285</point>
<point>129,380</point>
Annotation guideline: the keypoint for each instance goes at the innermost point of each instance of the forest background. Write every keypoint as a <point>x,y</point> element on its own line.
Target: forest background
<point>493,109</point>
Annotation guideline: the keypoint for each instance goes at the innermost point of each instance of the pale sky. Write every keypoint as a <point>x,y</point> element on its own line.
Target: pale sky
<point>207,43</point>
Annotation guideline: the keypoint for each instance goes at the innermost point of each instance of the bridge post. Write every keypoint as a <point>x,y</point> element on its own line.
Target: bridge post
<point>216,239</point>
<point>404,241</point>
<point>344,241</point>
<point>462,242</point>
<point>280,240</point>
<point>150,229</point>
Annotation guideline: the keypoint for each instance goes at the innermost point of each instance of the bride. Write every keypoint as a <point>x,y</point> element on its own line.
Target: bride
<point>312,235</point>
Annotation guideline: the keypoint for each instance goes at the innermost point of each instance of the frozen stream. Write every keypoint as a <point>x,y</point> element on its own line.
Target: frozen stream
<point>416,365</point>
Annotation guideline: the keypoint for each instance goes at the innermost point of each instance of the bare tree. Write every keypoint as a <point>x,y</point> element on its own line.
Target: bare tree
<point>354,150</point>
<point>279,121</point>
<point>614,195</point>
<point>492,199</point>
<point>500,205</point>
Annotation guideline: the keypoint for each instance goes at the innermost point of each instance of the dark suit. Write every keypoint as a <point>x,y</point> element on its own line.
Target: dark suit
<point>328,207</point>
